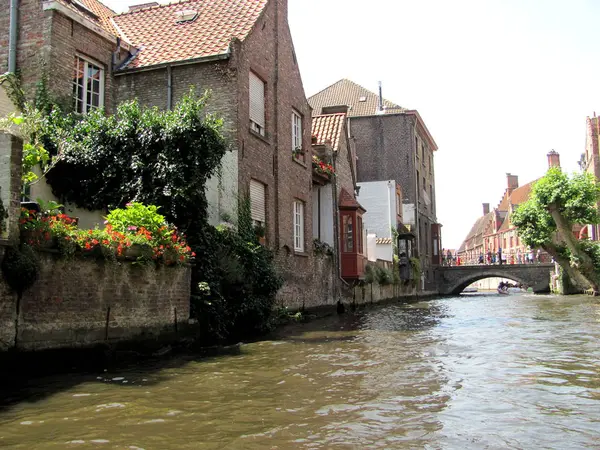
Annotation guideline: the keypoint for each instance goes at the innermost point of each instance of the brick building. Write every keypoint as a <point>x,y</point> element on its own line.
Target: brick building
<point>337,215</point>
<point>392,143</point>
<point>494,232</point>
<point>241,50</point>
<point>590,163</point>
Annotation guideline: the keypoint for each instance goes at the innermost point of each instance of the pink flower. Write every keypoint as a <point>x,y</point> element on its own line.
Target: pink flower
<point>132,228</point>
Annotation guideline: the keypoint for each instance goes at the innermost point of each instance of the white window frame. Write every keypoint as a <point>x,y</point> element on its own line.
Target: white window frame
<point>298,225</point>
<point>85,106</point>
<point>256,109</point>
<point>258,202</point>
<point>296,130</point>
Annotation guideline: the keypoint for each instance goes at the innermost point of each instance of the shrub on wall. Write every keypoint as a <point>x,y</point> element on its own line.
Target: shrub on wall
<point>164,158</point>
<point>20,267</point>
<point>234,297</point>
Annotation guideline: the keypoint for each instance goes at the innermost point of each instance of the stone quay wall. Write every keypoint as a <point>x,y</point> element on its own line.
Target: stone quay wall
<point>84,301</point>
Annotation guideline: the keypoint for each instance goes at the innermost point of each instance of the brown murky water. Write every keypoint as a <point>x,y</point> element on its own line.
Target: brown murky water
<point>475,372</point>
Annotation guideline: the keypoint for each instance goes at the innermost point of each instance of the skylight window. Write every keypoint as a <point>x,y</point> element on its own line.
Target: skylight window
<point>362,99</point>
<point>187,15</point>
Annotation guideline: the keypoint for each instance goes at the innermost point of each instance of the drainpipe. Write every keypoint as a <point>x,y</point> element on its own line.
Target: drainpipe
<point>417,195</point>
<point>276,132</point>
<point>390,223</point>
<point>12,40</point>
<point>336,227</point>
<point>169,88</point>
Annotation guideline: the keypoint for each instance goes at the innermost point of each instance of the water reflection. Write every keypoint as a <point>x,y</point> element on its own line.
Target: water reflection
<point>467,372</point>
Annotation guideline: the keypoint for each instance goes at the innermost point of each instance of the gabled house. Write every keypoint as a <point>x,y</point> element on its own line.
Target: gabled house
<point>392,143</point>
<point>337,215</point>
<point>240,50</point>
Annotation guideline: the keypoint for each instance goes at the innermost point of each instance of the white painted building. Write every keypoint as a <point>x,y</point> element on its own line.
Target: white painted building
<point>383,202</point>
<point>322,198</point>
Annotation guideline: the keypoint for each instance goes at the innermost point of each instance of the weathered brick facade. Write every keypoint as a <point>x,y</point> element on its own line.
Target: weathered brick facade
<point>396,147</point>
<point>49,40</point>
<point>90,302</point>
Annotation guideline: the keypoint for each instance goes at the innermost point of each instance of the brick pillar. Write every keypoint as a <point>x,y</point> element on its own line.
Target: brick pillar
<point>11,157</point>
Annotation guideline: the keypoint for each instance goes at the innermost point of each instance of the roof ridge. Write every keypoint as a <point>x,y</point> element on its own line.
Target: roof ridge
<point>107,7</point>
<point>160,5</point>
<point>355,84</point>
<point>328,115</point>
<point>331,85</point>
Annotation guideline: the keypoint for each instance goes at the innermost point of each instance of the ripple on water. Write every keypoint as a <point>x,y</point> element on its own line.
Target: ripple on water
<point>453,373</point>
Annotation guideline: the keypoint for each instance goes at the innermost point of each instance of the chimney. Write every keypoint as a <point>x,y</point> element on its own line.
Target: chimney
<point>553,159</point>
<point>380,101</point>
<point>142,6</point>
<point>512,182</point>
<point>486,208</point>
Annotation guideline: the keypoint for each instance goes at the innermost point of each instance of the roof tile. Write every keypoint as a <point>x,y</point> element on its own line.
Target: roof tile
<point>362,102</point>
<point>328,129</point>
<point>161,39</point>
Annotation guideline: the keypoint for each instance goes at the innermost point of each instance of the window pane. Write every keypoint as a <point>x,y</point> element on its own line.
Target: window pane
<point>87,85</point>
<point>348,234</point>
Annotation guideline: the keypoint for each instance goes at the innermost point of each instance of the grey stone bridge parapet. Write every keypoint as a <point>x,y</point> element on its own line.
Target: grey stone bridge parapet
<point>452,280</point>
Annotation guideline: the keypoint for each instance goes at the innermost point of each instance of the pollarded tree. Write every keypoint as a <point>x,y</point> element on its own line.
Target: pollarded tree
<point>546,220</point>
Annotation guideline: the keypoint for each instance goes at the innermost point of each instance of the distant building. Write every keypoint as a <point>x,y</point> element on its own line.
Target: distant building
<point>590,163</point>
<point>392,143</point>
<point>493,234</point>
<point>383,202</point>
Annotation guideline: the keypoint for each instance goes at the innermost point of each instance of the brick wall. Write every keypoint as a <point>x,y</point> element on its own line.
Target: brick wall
<point>307,290</point>
<point>33,44</point>
<point>67,39</point>
<point>69,304</point>
<point>151,88</point>
<point>386,147</point>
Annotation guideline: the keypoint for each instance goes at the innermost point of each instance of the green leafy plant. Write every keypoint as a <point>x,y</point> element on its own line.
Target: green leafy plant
<point>322,248</point>
<point>415,265</point>
<point>20,267</point>
<point>135,215</point>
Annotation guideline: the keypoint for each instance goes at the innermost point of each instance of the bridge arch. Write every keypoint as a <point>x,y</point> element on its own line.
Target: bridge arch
<point>453,280</point>
<point>463,284</point>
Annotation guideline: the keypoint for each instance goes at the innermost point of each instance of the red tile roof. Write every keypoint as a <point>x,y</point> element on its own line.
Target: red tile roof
<point>93,10</point>
<point>328,128</point>
<point>347,200</point>
<point>103,12</point>
<point>161,39</point>
<point>521,194</point>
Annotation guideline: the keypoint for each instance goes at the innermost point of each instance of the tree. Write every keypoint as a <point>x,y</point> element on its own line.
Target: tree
<point>546,220</point>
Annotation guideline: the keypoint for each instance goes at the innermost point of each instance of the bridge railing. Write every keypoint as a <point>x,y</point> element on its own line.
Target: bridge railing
<point>494,259</point>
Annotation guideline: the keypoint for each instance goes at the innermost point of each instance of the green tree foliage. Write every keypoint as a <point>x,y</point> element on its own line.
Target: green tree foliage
<point>546,220</point>
<point>164,158</point>
<point>155,157</point>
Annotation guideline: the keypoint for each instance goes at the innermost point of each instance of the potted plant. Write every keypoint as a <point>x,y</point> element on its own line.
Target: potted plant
<point>35,228</point>
<point>298,152</point>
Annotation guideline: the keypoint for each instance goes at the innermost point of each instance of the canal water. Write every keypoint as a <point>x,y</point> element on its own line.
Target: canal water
<point>475,371</point>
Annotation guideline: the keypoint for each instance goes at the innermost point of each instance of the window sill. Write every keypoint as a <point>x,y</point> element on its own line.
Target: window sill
<point>259,136</point>
<point>302,254</point>
<point>299,162</point>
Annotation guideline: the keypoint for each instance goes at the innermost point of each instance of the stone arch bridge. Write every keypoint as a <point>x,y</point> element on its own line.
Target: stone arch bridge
<point>453,280</point>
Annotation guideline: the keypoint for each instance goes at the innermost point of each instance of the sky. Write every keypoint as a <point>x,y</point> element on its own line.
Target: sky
<point>499,83</point>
